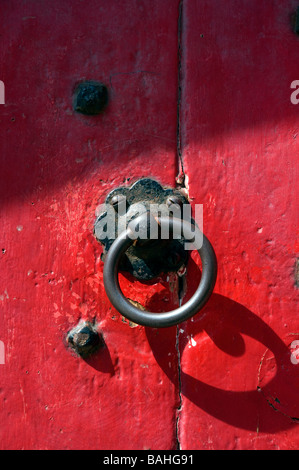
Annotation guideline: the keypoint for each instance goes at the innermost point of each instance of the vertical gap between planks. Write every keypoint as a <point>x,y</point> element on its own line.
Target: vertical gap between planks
<point>180,181</point>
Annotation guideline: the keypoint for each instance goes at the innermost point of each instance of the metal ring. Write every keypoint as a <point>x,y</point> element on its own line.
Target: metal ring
<point>165,319</point>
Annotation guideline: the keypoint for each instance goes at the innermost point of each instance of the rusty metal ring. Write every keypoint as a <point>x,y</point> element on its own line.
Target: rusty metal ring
<point>165,319</point>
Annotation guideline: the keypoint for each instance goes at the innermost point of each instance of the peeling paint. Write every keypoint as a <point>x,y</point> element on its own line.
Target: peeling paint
<point>4,296</point>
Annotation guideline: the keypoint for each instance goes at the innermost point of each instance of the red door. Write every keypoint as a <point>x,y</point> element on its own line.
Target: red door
<point>199,97</point>
<point>240,155</point>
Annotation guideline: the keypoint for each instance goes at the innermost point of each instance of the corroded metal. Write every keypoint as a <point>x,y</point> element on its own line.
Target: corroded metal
<point>84,339</point>
<point>295,21</point>
<point>170,318</point>
<point>145,259</point>
<point>90,97</point>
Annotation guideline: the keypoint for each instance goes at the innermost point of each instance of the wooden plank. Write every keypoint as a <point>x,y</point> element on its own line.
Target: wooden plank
<point>57,166</point>
<point>239,138</point>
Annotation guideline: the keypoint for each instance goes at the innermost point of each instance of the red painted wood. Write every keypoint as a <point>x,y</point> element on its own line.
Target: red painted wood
<point>233,381</point>
<point>56,167</point>
<point>240,155</point>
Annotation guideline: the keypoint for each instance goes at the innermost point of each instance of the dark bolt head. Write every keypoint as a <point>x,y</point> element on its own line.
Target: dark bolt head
<point>175,206</point>
<point>84,339</point>
<point>295,21</point>
<point>174,200</point>
<point>90,98</point>
<point>119,203</point>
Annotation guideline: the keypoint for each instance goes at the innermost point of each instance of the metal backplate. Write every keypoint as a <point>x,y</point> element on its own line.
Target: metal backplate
<point>145,259</point>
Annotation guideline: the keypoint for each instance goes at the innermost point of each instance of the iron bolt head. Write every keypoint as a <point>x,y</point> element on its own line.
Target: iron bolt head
<point>119,203</point>
<point>84,339</point>
<point>90,98</point>
<point>295,21</point>
<point>174,200</point>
